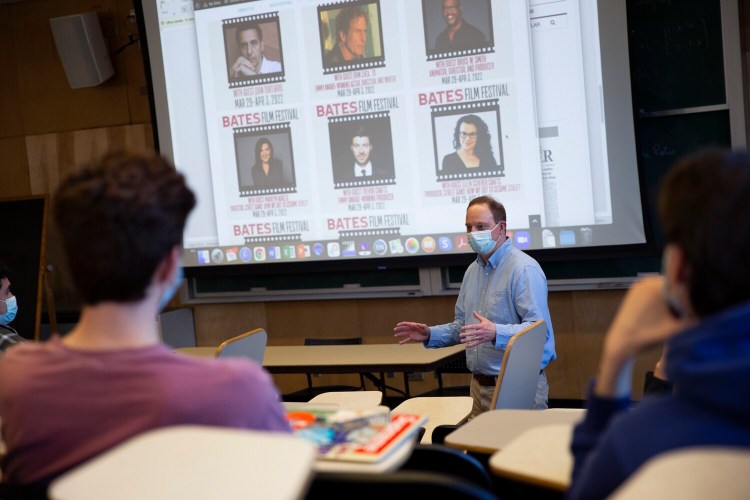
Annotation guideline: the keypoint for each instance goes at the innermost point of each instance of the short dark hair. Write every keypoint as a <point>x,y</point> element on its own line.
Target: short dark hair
<point>346,16</point>
<point>119,218</point>
<point>4,270</point>
<point>247,26</point>
<point>497,208</point>
<point>704,208</point>
<point>362,131</point>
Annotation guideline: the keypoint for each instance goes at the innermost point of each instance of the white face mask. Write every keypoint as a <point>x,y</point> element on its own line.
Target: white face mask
<point>12,305</point>
<point>481,241</point>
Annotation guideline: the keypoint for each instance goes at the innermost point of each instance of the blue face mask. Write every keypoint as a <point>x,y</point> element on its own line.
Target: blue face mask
<point>481,241</point>
<point>169,292</point>
<point>12,305</point>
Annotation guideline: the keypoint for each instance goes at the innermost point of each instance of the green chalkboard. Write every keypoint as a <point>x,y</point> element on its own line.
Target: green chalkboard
<point>676,53</point>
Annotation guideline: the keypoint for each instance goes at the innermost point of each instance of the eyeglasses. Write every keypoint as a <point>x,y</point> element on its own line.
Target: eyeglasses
<point>469,135</point>
<point>452,8</point>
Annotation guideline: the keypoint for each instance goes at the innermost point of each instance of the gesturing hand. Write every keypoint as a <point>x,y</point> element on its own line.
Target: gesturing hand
<point>407,331</point>
<point>484,331</point>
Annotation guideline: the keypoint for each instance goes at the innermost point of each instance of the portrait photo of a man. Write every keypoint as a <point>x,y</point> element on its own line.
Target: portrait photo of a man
<point>350,34</point>
<point>457,25</point>
<point>253,49</point>
<point>362,150</point>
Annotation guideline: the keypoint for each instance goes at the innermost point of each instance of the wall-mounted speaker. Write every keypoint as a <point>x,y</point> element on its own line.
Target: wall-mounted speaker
<point>82,50</point>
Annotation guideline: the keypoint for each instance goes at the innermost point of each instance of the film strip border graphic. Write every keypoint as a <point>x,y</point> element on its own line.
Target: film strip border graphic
<point>255,130</point>
<point>278,76</point>
<point>374,233</point>
<point>366,182</point>
<point>365,63</point>
<point>434,56</point>
<point>491,105</point>
<point>281,238</point>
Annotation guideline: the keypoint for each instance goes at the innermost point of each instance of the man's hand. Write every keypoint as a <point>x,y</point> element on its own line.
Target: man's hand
<point>642,321</point>
<point>242,67</point>
<point>406,332</point>
<point>484,331</point>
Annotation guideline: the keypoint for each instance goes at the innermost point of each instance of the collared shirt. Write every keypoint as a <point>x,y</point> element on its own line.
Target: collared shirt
<point>510,289</point>
<point>363,170</point>
<point>269,66</point>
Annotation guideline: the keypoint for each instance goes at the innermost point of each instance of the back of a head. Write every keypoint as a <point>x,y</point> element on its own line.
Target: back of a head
<point>119,218</point>
<point>704,207</point>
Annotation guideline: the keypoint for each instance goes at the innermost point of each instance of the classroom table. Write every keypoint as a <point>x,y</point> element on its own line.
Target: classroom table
<point>441,410</point>
<point>354,400</point>
<point>194,462</point>
<point>493,430</point>
<point>356,358</point>
<point>539,456</point>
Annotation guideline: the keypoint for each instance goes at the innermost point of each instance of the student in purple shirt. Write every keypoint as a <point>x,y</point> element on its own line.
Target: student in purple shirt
<point>66,400</point>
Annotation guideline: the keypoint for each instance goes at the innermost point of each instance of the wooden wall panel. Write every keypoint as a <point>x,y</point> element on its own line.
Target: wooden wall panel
<point>561,374</point>
<point>215,323</point>
<point>15,170</point>
<point>47,102</point>
<point>10,109</point>
<point>50,158</point>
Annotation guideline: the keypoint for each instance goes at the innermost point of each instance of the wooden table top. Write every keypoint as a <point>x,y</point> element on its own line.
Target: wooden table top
<point>540,456</point>
<point>491,431</point>
<point>439,411</point>
<point>348,358</point>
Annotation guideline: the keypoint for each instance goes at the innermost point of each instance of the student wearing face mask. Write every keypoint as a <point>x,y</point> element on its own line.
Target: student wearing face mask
<point>8,304</point>
<point>68,399</point>
<point>503,291</point>
<point>8,309</point>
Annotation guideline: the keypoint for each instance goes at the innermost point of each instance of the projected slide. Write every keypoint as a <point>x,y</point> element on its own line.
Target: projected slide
<point>360,129</point>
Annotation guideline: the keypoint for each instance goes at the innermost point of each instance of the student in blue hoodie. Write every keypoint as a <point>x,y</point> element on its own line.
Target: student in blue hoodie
<point>701,308</point>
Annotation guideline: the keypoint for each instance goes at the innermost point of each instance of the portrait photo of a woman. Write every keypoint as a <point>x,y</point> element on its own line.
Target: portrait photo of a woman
<point>268,171</point>
<point>472,147</point>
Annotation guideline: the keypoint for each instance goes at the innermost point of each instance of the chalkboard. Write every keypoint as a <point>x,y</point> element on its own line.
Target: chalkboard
<point>24,233</point>
<point>676,53</point>
<point>665,139</point>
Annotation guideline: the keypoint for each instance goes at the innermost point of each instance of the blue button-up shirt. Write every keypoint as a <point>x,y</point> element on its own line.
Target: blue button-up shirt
<point>510,289</point>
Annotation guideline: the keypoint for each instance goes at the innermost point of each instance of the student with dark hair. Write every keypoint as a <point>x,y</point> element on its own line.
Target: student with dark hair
<point>701,308</point>
<point>8,303</point>
<point>68,399</point>
<point>8,309</point>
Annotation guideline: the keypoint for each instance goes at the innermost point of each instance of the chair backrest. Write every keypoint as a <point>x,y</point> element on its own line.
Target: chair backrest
<point>193,462</point>
<point>250,344</point>
<point>693,473</point>
<point>177,327</point>
<point>447,460</point>
<point>399,484</point>
<point>519,374</point>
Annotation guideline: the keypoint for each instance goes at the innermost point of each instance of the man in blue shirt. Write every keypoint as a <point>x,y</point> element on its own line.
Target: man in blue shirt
<point>503,291</point>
